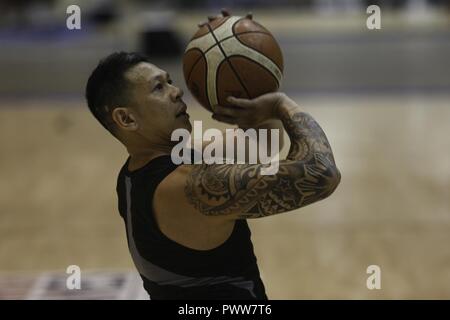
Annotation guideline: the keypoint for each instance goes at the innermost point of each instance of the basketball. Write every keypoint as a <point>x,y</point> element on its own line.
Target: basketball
<point>232,56</point>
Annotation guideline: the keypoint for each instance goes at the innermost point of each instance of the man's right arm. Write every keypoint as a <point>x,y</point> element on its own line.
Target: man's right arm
<point>308,174</point>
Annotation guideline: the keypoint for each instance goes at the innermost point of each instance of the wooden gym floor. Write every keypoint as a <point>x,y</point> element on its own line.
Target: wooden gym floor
<point>58,203</point>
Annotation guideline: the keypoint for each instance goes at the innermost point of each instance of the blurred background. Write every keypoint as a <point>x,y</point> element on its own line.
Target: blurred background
<point>381,96</point>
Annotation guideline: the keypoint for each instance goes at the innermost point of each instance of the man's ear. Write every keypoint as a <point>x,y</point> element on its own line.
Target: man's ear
<point>124,119</point>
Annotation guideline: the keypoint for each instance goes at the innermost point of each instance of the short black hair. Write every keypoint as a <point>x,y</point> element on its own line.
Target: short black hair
<point>107,87</point>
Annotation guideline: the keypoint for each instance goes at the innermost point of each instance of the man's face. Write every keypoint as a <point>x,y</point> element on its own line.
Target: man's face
<point>157,104</point>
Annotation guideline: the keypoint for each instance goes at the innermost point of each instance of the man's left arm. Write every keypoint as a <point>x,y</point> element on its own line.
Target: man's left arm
<point>269,125</point>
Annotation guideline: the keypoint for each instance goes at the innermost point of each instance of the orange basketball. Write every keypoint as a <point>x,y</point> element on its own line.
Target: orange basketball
<point>232,56</point>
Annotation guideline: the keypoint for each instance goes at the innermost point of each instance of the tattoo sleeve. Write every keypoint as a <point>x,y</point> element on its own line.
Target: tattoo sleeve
<point>309,174</point>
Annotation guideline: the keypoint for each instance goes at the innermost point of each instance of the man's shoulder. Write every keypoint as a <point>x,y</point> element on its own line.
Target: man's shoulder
<point>180,220</point>
<point>172,186</point>
<point>173,193</point>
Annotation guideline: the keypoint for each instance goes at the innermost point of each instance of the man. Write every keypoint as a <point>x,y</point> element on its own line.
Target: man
<point>186,224</point>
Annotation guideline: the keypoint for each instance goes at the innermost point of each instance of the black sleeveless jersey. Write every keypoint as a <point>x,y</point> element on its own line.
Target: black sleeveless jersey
<point>170,270</point>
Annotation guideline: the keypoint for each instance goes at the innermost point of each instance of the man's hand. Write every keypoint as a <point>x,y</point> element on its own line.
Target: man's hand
<point>224,13</point>
<point>248,113</point>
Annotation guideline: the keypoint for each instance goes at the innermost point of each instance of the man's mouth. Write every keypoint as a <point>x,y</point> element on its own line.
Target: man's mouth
<point>182,111</point>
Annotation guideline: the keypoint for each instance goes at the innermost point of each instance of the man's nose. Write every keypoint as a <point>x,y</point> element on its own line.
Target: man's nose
<point>177,94</point>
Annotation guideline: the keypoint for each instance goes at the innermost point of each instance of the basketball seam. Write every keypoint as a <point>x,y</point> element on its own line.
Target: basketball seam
<point>203,53</point>
<point>232,27</point>
<point>205,74</point>
<point>235,34</point>
<point>245,32</point>
<point>229,63</point>
<point>226,18</point>
<point>206,83</point>
<point>217,79</point>
<point>245,45</point>
<point>261,65</point>
<point>195,63</point>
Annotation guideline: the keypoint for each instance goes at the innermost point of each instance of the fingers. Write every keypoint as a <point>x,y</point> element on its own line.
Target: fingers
<point>210,19</point>
<point>231,120</point>
<point>225,12</point>
<point>235,112</point>
<point>243,103</point>
<point>230,114</point>
<point>223,118</point>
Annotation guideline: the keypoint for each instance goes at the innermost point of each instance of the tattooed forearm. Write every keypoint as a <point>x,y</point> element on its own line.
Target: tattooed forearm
<point>307,175</point>
<point>307,137</point>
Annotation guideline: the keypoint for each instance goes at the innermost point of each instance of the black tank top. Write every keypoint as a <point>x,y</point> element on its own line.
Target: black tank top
<point>170,270</point>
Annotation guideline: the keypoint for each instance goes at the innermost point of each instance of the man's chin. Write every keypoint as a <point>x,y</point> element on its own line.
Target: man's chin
<point>189,126</point>
<point>186,125</point>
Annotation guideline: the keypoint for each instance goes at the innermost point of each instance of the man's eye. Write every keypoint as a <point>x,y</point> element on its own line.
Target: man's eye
<point>159,86</point>
<point>169,81</point>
